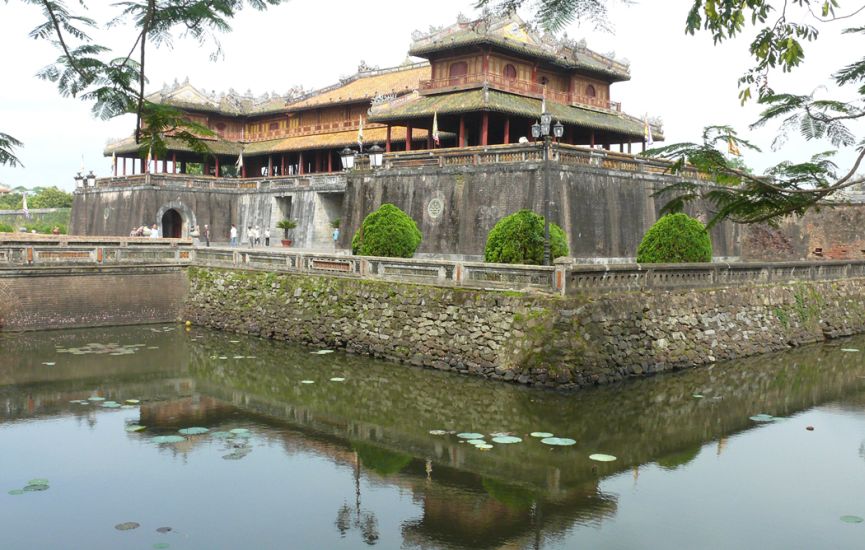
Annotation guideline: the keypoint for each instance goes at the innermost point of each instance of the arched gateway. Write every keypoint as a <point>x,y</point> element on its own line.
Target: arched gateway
<point>175,220</point>
<point>172,224</point>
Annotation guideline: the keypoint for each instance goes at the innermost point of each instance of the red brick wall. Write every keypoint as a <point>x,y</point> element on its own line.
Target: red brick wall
<point>32,299</point>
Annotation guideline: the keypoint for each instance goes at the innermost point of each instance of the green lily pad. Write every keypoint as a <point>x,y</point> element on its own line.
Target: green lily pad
<point>193,431</point>
<point>558,441</point>
<point>96,398</point>
<point>849,350</point>
<point>507,439</point>
<point>15,492</point>
<point>852,519</point>
<point>49,363</point>
<point>437,432</point>
<point>242,435</point>
<point>476,442</point>
<point>160,439</point>
<point>132,401</point>
<point>762,417</point>
<point>470,435</point>
<point>485,447</point>
<point>221,435</point>
<point>234,341</point>
<point>541,434</point>
<point>111,405</point>
<point>127,526</point>
<point>135,428</point>
<point>237,357</point>
<point>36,488</point>
<point>237,431</point>
<point>697,396</point>
<point>127,407</point>
<point>600,457</point>
<point>161,545</point>
<point>38,481</point>
<point>323,351</point>
<point>337,379</point>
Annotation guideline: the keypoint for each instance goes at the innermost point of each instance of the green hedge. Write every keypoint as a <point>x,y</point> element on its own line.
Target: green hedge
<point>387,232</point>
<point>675,238</point>
<point>519,239</point>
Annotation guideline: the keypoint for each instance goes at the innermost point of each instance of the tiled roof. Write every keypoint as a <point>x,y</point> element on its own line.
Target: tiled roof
<point>513,35</point>
<point>365,86</point>
<point>500,102</point>
<point>330,141</point>
<point>218,147</point>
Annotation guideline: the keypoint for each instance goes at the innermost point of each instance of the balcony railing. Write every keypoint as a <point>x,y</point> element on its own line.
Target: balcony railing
<point>521,87</point>
<point>188,181</point>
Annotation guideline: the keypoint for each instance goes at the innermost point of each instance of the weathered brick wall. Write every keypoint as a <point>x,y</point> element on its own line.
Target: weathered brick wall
<point>532,339</point>
<point>34,298</point>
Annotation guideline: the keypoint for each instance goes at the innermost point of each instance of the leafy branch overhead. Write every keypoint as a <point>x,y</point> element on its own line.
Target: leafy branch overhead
<point>781,31</point>
<point>115,84</point>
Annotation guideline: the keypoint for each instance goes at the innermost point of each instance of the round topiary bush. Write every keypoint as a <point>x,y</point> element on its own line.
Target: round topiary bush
<point>675,238</point>
<point>519,239</point>
<point>387,232</point>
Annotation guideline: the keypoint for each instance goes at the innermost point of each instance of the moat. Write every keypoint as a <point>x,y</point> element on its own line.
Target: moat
<point>310,449</point>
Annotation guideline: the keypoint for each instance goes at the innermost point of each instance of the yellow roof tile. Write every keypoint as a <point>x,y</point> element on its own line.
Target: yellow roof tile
<point>365,87</point>
<point>331,141</point>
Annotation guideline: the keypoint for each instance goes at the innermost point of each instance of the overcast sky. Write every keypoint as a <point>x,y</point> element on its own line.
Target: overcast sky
<point>684,80</point>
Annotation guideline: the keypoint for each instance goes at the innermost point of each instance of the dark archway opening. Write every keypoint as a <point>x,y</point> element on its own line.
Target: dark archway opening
<point>172,224</point>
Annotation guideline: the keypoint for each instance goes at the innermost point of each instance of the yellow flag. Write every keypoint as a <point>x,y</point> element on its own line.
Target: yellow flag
<point>732,148</point>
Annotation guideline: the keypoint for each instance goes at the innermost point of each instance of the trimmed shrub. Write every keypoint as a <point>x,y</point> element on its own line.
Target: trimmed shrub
<point>519,239</point>
<point>387,232</point>
<point>675,238</point>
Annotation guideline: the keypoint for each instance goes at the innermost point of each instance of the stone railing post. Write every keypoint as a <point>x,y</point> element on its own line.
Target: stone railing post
<point>560,276</point>
<point>459,272</point>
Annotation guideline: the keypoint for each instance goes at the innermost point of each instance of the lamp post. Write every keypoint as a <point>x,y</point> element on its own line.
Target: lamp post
<point>375,156</point>
<point>79,180</point>
<point>347,158</point>
<point>542,130</point>
<point>91,179</point>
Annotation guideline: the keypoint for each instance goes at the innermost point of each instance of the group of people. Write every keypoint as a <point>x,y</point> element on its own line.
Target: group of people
<point>253,236</point>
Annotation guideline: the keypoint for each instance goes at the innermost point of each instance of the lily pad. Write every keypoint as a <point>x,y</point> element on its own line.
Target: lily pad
<point>697,396</point>
<point>541,434</point>
<point>135,428</point>
<point>476,442</point>
<point>49,363</point>
<point>307,381</point>
<point>507,439</point>
<point>337,379</point>
<point>161,545</point>
<point>193,431</point>
<point>242,435</point>
<point>36,488</point>
<point>95,398</point>
<point>38,481</point>
<point>160,439</point>
<point>127,407</point>
<point>323,351</point>
<point>437,432</point>
<point>132,401</point>
<point>600,457</point>
<point>849,350</point>
<point>237,431</point>
<point>221,435</point>
<point>485,447</point>
<point>558,441</point>
<point>470,435</point>
<point>111,405</point>
<point>762,417</point>
<point>127,526</point>
<point>852,519</point>
<point>15,492</point>
<point>234,341</point>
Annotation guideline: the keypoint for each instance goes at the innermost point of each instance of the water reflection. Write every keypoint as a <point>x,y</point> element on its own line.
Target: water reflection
<point>377,423</point>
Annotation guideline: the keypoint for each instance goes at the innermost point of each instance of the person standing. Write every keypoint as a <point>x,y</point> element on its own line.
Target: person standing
<point>256,235</point>
<point>206,235</point>
<point>233,235</point>
<point>249,242</point>
<point>335,237</point>
<point>267,236</point>
<point>154,232</point>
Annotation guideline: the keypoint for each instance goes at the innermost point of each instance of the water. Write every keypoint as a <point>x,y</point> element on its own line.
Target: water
<point>352,464</point>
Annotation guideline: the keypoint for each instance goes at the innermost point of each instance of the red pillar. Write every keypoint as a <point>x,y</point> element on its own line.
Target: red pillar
<point>330,161</point>
<point>429,139</point>
<point>269,165</point>
<point>243,170</point>
<point>164,166</point>
<point>300,163</point>
<point>387,140</point>
<point>174,162</point>
<point>217,166</point>
<point>461,139</point>
<point>144,168</point>
<point>282,165</point>
<point>408,137</point>
<point>507,130</point>
<point>592,137</point>
<point>485,126</point>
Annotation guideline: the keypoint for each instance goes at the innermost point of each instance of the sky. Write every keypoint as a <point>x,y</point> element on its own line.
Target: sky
<point>684,80</point>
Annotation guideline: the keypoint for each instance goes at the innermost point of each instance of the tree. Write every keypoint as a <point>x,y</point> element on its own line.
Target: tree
<point>675,238</point>
<point>51,197</point>
<point>519,239</point>
<point>387,232</point>
<point>114,84</point>
<point>780,31</point>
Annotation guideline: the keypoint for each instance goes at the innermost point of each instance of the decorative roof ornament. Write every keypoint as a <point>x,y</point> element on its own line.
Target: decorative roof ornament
<point>462,19</point>
<point>383,98</point>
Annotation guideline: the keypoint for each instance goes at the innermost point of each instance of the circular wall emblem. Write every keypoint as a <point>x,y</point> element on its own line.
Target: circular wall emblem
<point>435,208</point>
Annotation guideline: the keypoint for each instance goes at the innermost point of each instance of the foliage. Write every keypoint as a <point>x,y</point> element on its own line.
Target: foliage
<point>50,197</point>
<point>335,223</point>
<point>115,85</point>
<point>675,238</point>
<point>781,30</point>
<point>6,228</point>
<point>388,232</point>
<point>382,461</point>
<point>286,225</point>
<point>519,239</point>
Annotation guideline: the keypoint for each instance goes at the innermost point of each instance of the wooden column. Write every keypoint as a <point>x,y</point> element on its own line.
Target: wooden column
<point>644,146</point>
<point>269,165</point>
<point>124,166</point>
<point>629,147</point>
<point>174,162</point>
<point>143,167</point>
<point>408,137</point>
<point>387,140</point>
<point>507,131</point>
<point>300,163</point>
<point>243,170</point>
<point>485,127</point>
<point>217,167</point>
<point>592,139</point>
<point>182,166</point>
<point>282,165</point>
<point>461,137</point>
<point>164,166</point>
<point>330,161</point>
<point>115,166</point>
<point>621,147</point>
